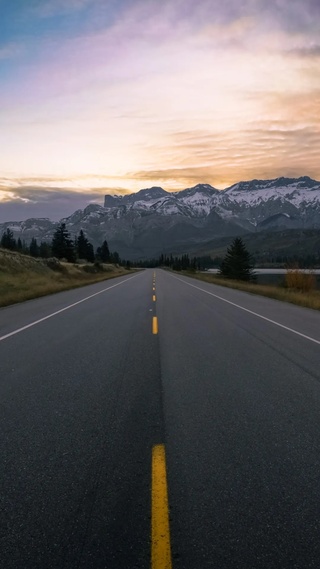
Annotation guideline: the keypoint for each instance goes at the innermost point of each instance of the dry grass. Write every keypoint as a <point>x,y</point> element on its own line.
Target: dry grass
<point>308,299</point>
<point>23,278</point>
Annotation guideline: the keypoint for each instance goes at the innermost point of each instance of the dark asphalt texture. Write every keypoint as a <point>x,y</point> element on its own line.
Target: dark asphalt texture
<point>85,395</point>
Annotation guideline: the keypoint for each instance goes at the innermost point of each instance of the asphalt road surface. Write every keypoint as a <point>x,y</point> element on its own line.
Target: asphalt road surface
<point>92,381</point>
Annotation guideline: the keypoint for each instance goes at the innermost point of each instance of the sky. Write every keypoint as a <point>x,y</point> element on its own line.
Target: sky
<point>109,96</point>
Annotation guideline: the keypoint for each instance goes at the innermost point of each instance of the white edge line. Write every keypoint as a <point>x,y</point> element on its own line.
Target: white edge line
<point>250,312</point>
<point>62,310</point>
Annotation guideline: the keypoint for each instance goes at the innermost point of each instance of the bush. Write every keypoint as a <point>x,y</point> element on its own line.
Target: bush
<point>89,269</point>
<point>99,267</point>
<point>54,264</point>
<point>300,280</point>
<point>95,268</point>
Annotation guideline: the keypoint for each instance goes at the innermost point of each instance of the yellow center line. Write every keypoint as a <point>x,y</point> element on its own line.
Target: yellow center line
<point>154,325</point>
<point>160,530</point>
<point>154,288</point>
<point>154,298</point>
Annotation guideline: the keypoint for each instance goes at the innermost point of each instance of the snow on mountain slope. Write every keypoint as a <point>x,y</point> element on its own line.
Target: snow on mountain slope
<point>296,201</point>
<point>246,203</point>
<point>195,202</point>
<point>297,191</point>
<point>201,198</point>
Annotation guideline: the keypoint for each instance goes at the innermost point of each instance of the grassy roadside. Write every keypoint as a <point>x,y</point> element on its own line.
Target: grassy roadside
<point>309,299</point>
<point>23,277</point>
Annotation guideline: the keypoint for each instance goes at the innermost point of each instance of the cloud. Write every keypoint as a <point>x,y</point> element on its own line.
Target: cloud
<point>181,90</point>
<point>24,202</point>
<point>294,15</point>
<point>175,179</point>
<point>295,108</point>
<point>263,149</point>
<point>308,52</point>
<point>21,199</point>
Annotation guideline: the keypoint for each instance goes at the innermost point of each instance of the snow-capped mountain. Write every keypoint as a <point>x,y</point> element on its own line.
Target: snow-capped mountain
<point>152,221</point>
<point>246,203</point>
<point>297,201</point>
<point>192,202</point>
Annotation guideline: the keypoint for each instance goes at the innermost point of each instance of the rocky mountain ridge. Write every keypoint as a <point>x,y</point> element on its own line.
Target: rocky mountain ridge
<point>152,221</point>
<point>241,202</point>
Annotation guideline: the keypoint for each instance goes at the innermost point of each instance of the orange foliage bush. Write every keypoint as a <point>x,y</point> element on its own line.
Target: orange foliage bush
<point>300,280</point>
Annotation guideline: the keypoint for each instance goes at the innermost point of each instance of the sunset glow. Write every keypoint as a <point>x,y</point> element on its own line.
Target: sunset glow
<point>102,96</point>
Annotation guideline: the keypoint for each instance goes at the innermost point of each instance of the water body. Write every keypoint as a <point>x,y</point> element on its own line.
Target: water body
<point>271,271</point>
<point>273,276</point>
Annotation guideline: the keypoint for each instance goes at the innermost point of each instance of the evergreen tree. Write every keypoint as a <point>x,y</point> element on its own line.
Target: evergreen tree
<point>84,248</point>
<point>90,253</point>
<point>34,248</point>
<point>44,250</point>
<point>19,245</point>
<point>81,244</point>
<point>104,253</point>
<point>8,241</point>
<point>237,263</point>
<point>25,248</point>
<point>62,245</point>
<point>185,262</point>
<point>115,258</point>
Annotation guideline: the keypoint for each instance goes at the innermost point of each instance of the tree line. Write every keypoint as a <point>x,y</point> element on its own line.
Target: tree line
<point>182,263</point>
<point>237,263</point>
<point>62,246</point>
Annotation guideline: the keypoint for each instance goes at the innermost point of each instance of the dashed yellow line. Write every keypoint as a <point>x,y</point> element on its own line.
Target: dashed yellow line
<point>154,298</point>
<point>154,325</point>
<point>160,530</point>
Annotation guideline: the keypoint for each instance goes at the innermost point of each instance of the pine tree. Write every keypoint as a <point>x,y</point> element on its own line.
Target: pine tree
<point>8,241</point>
<point>44,250</point>
<point>104,253</point>
<point>84,248</point>
<point>34,248</point>
<point>115,258</point>
<point>81,244</point>
<point>90,253</point>
<point>237,263</point>
<point>62,245</point>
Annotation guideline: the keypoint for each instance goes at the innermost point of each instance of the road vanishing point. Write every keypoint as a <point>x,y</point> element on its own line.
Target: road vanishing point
<point>159,422</point>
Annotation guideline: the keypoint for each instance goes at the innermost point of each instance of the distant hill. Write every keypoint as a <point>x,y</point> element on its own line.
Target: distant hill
<point>271,247</point>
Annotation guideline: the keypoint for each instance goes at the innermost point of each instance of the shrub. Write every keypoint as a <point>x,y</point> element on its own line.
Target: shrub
<point>300,280</point>
<point>97,267</point>
<point>54,264</point>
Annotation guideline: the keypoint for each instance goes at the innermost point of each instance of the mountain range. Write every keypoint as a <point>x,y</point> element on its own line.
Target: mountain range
<point>152,221</point>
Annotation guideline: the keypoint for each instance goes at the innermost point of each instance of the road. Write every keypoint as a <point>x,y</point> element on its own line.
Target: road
<point>95,381</point>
